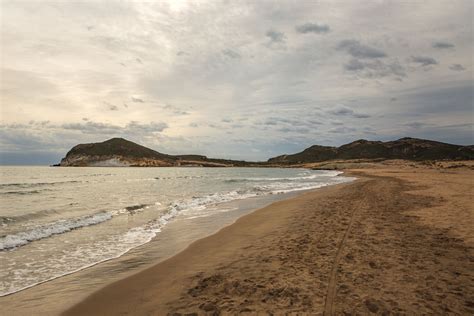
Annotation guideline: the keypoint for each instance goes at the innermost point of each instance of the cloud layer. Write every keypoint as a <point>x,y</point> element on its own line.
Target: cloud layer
<point>246,80</point>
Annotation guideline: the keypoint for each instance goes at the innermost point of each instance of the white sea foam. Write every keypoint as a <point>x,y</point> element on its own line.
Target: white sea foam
<point>62,226</point>
<point>59,227</point>
<point>81,258</point>
<point>303,176</point>
<point>198,203</point>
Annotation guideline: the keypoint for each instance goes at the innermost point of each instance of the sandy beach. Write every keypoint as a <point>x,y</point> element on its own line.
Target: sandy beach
<point>215,157</point>
<point>399,239</point>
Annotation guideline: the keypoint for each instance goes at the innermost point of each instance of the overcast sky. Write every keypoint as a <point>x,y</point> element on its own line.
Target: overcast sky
<point>232,79</point>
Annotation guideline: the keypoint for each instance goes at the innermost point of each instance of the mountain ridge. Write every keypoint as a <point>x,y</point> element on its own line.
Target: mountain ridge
<point>121,152</point>
<point>407,148</point>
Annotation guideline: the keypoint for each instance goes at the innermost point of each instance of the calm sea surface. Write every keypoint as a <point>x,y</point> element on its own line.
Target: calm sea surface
<point>55,221</point>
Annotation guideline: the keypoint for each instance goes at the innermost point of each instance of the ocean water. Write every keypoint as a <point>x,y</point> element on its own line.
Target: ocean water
<point>56,221</point>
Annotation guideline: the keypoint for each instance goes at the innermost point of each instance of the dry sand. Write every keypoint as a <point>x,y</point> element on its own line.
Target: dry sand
<point>399,240</point>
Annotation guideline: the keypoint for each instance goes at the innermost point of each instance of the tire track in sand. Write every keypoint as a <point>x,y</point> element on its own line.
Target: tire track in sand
<point>331,292</point>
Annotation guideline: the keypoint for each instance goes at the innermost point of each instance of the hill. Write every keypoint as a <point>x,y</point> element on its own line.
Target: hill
<point>119,152</point>
<point>404,148</point>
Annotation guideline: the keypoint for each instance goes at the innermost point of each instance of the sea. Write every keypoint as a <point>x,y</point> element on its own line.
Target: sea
<point>55,221</point>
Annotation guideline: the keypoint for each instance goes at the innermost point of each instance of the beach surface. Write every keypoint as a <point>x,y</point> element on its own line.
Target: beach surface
<point>399,239</point>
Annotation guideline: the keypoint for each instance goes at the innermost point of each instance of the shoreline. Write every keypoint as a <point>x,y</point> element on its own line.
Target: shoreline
<point>272,260</point>
<point>197,243</point>
<point>53,286</point>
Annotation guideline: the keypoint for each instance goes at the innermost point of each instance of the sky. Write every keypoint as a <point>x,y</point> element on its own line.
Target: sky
<point>232,79</point>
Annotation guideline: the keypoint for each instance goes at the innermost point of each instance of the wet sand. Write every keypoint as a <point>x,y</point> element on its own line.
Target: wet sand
<point>400,239</point>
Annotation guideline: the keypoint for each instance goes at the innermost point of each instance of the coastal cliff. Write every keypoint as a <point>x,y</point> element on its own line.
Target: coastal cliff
<point>115,152</point>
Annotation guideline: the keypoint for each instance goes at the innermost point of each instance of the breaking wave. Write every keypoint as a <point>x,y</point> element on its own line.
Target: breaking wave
<point>62,226</point>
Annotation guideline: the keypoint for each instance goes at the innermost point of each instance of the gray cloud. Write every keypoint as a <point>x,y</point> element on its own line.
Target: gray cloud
<point>91,127</point>
<point>230,53</point>
<point>442,45</point>
<point>457,67</point>
<point>177,110</point>
<point>355,65</point>
<point>358,50</point>
<point>342,110</point>
<point>16,139</point>
<point>361,115</point>
<point>294,129</point>
<point>216,126</point>
<point>312,28</point>
<point>42,123</point>
<point>132,127</point>
<point>424,60</point>
<point>111,106</point>
<point>289,124</point>
<point>153,127</point>
<point>375,68</point>
<point>346,111</point>
<point>275,36</point>
<point>271,122</point>
<point>343,130</point>
<point>415,125</point>
<point>278,120</point>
